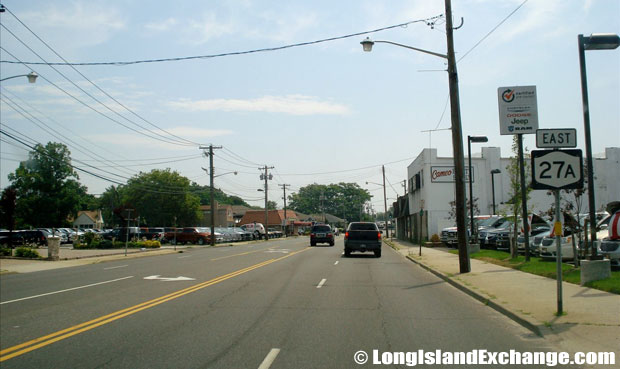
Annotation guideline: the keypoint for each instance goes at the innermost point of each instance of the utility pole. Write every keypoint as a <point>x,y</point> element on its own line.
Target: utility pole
<point>385,216</point>
<point>127,233</point>
<point>285,218</point>
<point>266,177</point>
<point>212,197</point>
<point>457,146</point>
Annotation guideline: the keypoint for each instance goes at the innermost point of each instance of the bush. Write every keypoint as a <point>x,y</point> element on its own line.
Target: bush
<point>151,244</point>
<point>89,237</point>
<point>435,238</point>
<point>26,252</point>
<point>5,251</point>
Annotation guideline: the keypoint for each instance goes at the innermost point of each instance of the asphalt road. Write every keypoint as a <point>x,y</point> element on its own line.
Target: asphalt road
<point>280,303</point>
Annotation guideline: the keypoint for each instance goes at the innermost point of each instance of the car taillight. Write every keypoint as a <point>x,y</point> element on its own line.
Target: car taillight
<point>379,235</point>
<point>312,235</point>
<point>346,234</point>
<point>329,235</point>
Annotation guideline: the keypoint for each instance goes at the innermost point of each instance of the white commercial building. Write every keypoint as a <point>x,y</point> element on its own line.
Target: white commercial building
<point>431,189</point>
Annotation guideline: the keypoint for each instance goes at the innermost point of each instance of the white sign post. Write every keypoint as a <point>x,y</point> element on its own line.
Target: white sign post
<point>518,110</point>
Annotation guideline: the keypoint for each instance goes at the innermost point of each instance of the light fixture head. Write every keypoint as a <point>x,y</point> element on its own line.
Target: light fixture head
<point>367,44</point>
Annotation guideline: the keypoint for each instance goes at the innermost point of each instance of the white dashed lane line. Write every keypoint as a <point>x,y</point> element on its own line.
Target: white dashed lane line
<point>321,283</point>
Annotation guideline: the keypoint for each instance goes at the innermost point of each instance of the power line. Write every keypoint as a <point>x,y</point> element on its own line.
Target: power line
<point>163,139</point>
<point>430,20</point>
<point>91,82</point>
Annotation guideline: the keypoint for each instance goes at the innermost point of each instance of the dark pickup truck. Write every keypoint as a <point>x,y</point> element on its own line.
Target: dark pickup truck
<point>362,236</point>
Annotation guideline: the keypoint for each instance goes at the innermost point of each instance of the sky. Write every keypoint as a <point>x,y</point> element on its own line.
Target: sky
<point>321,112</point>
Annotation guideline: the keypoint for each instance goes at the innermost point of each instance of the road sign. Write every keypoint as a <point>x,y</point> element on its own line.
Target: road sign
<point>518,110</point>
<point>557,169</point>
<point>556,138</point>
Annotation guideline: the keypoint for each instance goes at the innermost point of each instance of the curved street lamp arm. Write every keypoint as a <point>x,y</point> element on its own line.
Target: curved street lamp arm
<point>415,48</point>
<point>21,75</point>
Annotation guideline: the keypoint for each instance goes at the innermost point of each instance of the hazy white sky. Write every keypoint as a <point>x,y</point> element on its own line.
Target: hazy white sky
<point>313,112</point>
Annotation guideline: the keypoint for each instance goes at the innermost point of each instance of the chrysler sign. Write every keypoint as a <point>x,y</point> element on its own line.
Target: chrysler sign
<point>518,110</point>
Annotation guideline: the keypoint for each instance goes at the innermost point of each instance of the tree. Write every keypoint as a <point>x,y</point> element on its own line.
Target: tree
<point>204,193</point>
<point>159,196</point>
<point>7,208</point>
<point>514,203</point>
<point>343,199</point>
<point>46,186</point>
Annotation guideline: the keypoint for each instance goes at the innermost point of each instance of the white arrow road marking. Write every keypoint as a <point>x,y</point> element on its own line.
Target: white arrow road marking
<point>282,251</point>
<point>168,279</point>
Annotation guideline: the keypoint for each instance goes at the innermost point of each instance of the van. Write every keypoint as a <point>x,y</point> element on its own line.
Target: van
<point>258,229</point>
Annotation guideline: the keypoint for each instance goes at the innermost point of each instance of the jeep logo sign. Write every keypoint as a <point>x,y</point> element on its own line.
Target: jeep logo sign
<point>518,110</point>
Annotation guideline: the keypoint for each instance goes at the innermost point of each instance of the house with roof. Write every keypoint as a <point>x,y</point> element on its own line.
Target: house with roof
<point>275,219</point>
<point>223,215</point>
<point>87,219</point>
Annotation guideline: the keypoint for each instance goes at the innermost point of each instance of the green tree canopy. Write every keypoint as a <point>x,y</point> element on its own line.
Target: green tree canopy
<point>158,197</point>
<point>204,193</point>
<point>343,200</point>
<point>46,186</point>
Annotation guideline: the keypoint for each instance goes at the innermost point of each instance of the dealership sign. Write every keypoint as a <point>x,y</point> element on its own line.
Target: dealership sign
<point>518,110</point>
<point>445,174</point>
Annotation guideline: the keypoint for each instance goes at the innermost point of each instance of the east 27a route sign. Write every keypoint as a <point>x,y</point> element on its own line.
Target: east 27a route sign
<point>557,169</point>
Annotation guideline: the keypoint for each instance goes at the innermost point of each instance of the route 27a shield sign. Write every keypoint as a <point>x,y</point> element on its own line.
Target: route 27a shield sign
<point>557,169</point>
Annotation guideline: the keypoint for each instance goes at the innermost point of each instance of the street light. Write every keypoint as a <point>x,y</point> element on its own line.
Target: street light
<point>596,41</point>
<point>32,77</point>
<point>457,136</point>
<point>493,173</point>
<point>470,139</point>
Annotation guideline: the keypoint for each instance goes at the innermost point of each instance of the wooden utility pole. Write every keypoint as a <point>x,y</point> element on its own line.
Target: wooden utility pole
<point>212,194</point>
<point>285,218</point>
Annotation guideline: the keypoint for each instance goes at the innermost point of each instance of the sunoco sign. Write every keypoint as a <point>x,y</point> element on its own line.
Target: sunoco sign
<point>518,110</point>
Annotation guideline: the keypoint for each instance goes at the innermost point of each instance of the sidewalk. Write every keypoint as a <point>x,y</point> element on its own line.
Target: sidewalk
<point>70,257</point>
<point>592,317</point>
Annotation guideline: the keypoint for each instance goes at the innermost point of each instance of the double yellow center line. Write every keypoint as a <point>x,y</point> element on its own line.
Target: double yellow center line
<point>37,343</point>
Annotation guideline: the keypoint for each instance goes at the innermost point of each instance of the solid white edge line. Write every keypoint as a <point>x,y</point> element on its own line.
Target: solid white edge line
<point>321,283</point>
<point>68,289</point>
<point>271,356</point>
<point>116,267</point>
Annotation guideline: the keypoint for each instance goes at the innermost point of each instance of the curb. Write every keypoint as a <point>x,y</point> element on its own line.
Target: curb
<point>524,322</point>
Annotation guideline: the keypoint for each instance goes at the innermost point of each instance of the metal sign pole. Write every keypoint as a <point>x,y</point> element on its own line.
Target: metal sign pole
<point>558,241</point>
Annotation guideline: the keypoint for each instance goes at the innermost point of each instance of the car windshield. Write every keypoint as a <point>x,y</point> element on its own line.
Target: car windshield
<point>363,227</point>
<point>321,228</point>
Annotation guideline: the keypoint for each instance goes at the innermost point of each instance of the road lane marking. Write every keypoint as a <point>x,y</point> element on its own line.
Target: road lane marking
<point>230,256</point>
<point>61,291</point>
<point>116,267</point>
<point>43,341</point>
<point>183,257</point>
<point>336,263</point>
<point>321,283</point>
<point>271,356</point>
<point>169,279</point>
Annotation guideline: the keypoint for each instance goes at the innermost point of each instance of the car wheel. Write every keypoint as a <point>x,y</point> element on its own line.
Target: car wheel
<point>347,252</point>
<point>201,241</point>
<point>312,243</point>
<point>331,244</point>
<point>378,253</point>
<point>173,242</point>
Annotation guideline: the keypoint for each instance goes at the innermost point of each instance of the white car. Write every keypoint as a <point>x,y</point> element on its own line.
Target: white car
<point>548,248</point>
<point>608,244</point>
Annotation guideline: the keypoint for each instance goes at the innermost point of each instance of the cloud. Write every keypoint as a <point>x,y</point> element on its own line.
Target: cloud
<point>84,23</point>
<point>166,25</point>
<point>290,104</point>
<point>207,28</point>
<point>133,140</point>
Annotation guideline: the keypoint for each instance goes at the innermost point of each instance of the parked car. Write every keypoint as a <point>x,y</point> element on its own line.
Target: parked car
<point>193,235</point>
<point>322,233</point>
<point>258,229</point>
<point>153,233</point>
<point>481,222</point>
<point>274,233</point>
<point>489,225</point>
<point>548,248</point>
<point>540,230</point>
